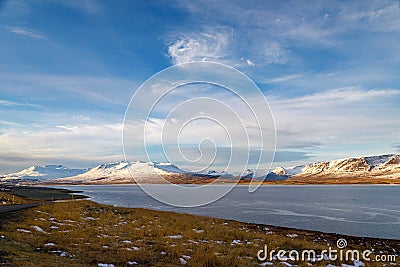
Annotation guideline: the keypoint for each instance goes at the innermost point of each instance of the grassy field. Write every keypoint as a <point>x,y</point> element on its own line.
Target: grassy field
<point>84,233</point>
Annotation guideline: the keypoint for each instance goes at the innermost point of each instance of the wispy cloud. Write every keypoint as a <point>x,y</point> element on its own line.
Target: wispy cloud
<point>208,45</point>
<point>25,32</point>
<point>284,78</point>
<point>338,96</point>
<point>94,89</point>
<point>78,144</point>
<point>91,7</point>
<point>8,103</point>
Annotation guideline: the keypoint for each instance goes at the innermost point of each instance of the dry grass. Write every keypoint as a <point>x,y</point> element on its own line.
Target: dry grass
<point>85,233</point>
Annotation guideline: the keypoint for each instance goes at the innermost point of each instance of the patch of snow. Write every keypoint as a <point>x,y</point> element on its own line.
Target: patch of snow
<point>105,265</point>
<point>23,231</point>
<point>292,235</point>
<point>49,245</point>
<point>174,236</point>
<point>358,263</point>
<point>132,263</point>
<point>90,219</point>
<point>236,242</point>
<point>39,229</point>
<point>198,231</point>
<point>135,248</point>
<point>183,261</point>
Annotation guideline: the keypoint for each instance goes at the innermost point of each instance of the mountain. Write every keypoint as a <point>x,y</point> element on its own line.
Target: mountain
<point>372,169</point>
<point>361,169</point>
<point>277,174</point>
<point>355,169</point>
<point>120,172</point>
<point>42,173</point>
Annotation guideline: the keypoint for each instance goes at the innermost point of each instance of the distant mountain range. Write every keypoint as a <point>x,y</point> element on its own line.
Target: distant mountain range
<point>353,170</point>
<point>107,173</point>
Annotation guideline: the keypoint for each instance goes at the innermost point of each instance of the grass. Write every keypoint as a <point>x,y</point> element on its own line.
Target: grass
<point>84,233</point>
<point>9,199</point>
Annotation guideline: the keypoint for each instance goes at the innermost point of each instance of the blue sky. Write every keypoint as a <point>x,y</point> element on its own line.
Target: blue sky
<point>330,70</point>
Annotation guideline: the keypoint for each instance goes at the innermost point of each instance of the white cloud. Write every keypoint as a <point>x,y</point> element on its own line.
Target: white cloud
<point>25,32</point>
<point>338,96</point>
<point>102,90</point>
<point>249,62</point>
<point>274,53</point>
<point>8,103</point>
<point>78,144</point>
<point>208,45</point>
<point>284,78</point>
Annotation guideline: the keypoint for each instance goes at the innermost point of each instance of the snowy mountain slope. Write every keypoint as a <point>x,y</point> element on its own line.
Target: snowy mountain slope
<point>42,173</point>
<point>120,172</point>
<point>383,166</point>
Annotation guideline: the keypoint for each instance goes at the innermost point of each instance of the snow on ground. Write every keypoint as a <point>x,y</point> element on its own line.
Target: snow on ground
<point>292,235</point>
<point>174,236</point>
<point>183,261</point>
<point>236,242</point>
<point>39,229</point>
<point>23,231</point>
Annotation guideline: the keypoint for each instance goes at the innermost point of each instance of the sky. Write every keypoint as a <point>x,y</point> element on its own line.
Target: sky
<point>68,69</point>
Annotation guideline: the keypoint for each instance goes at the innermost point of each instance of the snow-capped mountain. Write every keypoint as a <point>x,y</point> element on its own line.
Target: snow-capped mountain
<point>42,173</point>
<point>382,167</point>
<point>120,172</point>
<point>373,164</point>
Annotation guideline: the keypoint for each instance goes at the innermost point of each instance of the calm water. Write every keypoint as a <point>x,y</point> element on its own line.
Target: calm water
<point>346,209</point>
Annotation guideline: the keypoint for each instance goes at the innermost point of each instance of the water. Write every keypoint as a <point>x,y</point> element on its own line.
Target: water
<point>360,210</point>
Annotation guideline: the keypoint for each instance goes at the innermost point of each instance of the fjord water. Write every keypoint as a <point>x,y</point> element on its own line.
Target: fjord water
<point>359,210</point>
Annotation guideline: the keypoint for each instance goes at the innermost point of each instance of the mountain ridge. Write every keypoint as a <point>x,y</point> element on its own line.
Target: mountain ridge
<point>385,166</point>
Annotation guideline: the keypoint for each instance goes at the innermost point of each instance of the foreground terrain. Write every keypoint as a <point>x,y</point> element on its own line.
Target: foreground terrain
<point>84,233</point>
